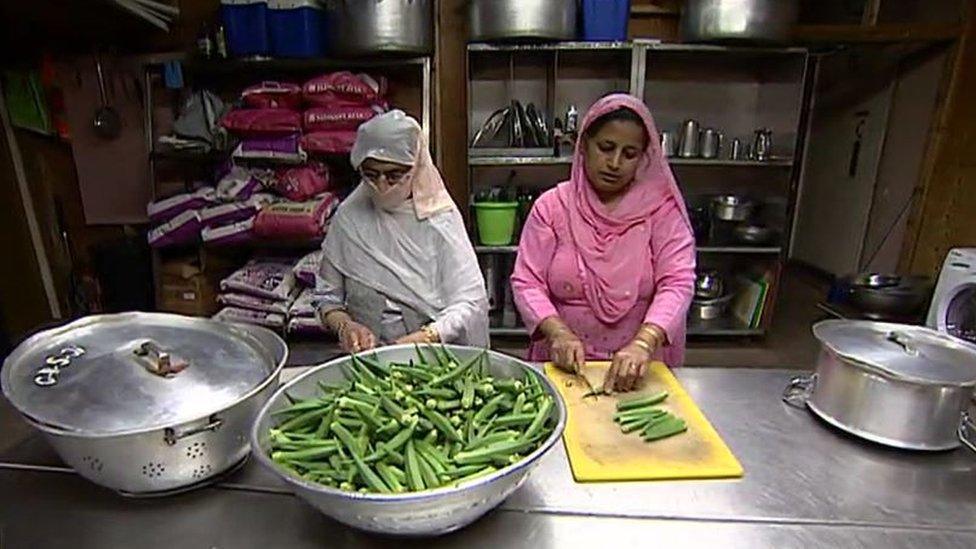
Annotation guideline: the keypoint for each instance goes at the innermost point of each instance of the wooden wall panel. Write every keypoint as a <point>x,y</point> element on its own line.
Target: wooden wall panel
<point>943,217</point>
<point>450,103</point>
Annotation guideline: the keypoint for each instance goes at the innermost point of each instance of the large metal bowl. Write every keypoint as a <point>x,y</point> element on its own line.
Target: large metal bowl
<point>413,514</point>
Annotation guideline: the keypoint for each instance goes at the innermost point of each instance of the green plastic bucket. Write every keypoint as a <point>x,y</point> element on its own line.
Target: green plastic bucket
<point>496,222</point>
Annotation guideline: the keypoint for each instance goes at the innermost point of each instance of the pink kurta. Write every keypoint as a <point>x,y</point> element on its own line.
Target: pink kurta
<point>546,282</point>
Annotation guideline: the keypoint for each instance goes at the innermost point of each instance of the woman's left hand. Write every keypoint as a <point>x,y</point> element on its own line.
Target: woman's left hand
<point>627,368</point>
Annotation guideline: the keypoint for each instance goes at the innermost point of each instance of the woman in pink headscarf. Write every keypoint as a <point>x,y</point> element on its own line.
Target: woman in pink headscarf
<point>606,264</point>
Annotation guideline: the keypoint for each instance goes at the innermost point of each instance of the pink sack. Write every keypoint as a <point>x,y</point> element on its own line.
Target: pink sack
<point>295,220</point>
<point>273,95</point>
<point>303,183</point>
<point>344,88</point>
<point>319,119</point>
<point>261,122</point>
<point>331,142</point>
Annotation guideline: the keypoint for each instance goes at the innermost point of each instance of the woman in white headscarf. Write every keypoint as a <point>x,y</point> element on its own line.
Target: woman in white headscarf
<point>397,265</point>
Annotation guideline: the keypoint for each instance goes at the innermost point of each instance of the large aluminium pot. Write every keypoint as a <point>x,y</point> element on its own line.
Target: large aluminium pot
<point>738,20</point>
<point>427,513</point>
<point>145,403</point>
<point>367,27</point>
<point>492,20</point>
<point>898,385</point>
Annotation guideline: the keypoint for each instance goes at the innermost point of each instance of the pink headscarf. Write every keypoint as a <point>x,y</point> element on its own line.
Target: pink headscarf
<point>611,248</point>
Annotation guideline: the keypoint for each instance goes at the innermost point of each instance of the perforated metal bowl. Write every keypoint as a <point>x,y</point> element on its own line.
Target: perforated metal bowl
<point>413,514</point>
<point>145,403</point>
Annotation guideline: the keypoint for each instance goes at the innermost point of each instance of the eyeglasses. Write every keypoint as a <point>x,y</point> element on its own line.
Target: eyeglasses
<point>391,177</point>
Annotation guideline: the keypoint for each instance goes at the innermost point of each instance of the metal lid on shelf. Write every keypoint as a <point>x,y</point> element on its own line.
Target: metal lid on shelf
<point>130,372</point>
<point>901,351</point>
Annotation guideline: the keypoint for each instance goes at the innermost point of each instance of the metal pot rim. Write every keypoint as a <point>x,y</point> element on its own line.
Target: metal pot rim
<point>408,497</point>
<point>882,370</point>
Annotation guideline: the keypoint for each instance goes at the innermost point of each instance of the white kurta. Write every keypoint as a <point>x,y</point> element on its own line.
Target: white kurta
<point>428,265</point>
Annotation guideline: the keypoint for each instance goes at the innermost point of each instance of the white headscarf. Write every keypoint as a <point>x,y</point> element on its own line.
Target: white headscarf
<point>398,138</point>
<point>401,252</point>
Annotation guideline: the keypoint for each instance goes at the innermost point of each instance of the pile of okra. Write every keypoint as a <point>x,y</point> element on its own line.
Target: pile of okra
<point>642,415</point>
<point>409,426</point>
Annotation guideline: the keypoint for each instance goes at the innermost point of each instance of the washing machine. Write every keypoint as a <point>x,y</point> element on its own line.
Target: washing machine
<point>953,308</point>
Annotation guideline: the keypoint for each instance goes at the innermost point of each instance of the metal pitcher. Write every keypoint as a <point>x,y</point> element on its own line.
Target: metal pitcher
<point>762,145</point>
<point>689,139</point>
<point>668,145</point>
<point>711,143</point>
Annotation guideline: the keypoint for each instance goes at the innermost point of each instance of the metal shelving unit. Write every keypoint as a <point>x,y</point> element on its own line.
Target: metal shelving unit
<point>736,89</point>
<point>761,250</point>
<point>566,160</point>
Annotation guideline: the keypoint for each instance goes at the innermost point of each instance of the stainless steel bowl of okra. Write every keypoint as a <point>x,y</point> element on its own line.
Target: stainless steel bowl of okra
<point>408,440</point>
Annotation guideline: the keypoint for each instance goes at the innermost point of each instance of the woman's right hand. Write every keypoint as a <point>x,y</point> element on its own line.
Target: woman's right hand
<point>566,351</point>
<point>356,338</point>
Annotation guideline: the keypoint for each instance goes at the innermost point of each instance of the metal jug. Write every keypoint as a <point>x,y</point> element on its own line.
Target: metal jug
<point>762,145</point>
<point>689,139</point>
<point>711,143</point>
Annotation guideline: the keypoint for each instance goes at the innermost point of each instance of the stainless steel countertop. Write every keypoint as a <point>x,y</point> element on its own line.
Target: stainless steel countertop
<point>806,485</point>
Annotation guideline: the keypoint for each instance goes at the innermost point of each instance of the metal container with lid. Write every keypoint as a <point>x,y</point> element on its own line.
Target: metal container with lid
<point>145,403</point>
<point>898,385</point>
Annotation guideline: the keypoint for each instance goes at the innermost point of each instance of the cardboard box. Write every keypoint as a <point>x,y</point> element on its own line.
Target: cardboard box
<point>187,287</point>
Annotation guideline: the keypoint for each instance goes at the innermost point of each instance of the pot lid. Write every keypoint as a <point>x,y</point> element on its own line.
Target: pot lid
<point>123,373</point>
<point>912,353</point>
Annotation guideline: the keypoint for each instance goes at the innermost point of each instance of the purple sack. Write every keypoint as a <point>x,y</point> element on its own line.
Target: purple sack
<point>182,229</point>
<point>306,327</point>
<point>238,184</point>
<point>281,148</point>
<point>233,212</point>
<point>229,235</point>
<point>160,211</point>
<point>253,303</point>
<point>274,321</point>
<point>270,278</point>
<point>307,268</point>
<point>304,305</point>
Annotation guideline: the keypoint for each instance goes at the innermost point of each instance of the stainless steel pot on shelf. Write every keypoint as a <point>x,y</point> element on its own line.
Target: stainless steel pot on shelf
<point>903,386</point>
<point>410,514</point>
<point>492,20</point>
<point>145,403</point>
<point>738,20</point>
<point>368,27</point>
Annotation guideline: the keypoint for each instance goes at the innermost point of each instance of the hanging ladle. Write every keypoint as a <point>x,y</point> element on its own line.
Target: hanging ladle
<point>106,123</point>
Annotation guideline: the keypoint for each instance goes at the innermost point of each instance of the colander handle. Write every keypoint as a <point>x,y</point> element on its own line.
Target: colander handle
<point>172,436</point>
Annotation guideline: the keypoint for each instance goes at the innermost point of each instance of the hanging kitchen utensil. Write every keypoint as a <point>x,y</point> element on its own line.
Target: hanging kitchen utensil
<point>106,122</point>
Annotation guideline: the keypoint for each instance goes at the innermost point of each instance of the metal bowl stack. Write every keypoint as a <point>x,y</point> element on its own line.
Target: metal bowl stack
<point>426,513</point>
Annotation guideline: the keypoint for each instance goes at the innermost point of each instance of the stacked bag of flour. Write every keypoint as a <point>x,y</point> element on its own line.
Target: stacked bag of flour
<point>284,121</point>
<point>302,319</point>
<point>261,292</point>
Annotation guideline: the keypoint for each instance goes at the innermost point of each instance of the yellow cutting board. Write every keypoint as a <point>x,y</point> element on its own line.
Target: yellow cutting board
<point>599,451</point>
